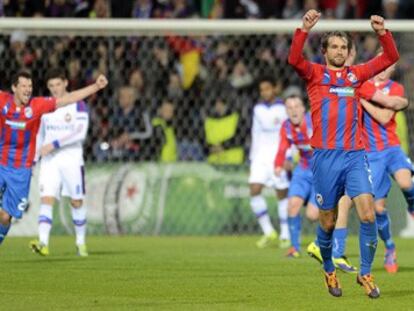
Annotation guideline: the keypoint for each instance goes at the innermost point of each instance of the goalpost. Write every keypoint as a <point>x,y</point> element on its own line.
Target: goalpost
<point>192,62</point>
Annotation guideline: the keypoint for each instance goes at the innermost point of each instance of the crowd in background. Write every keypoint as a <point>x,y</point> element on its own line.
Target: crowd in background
<point>172,83</point>
<point>206,8</point>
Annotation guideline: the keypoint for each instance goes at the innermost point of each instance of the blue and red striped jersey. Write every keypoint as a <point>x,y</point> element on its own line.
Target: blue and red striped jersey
<point>376,136</point>
<point>19,126</point>
<point>335,109</point>
<point>298,135</point>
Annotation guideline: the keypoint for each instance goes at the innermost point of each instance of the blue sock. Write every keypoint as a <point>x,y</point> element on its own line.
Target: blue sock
<point>409,197</point>
<point>3,231</point>
<point>294,231</point>
<point>339,242</point>
<point>367,245</point>
<point>384,230</point>
<point>325,245</point>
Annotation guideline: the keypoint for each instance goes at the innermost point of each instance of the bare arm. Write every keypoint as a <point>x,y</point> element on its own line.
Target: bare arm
<point>393,102</point>
<point>296,59</point>
<point>100,83</point>
<point>380,114</point>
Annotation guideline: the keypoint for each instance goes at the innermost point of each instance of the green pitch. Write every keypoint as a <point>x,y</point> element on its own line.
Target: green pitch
<point>194,273</point>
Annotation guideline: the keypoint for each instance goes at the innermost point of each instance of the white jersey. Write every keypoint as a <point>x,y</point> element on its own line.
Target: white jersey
<point>62,171</point>
<point>267,122</point>
<point>66,128</point>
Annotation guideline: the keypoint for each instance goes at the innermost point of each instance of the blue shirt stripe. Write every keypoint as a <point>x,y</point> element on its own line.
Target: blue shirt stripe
<point>341,123</point>
<point>354,124</point>
<point>368,127</point>
<point>325,116</point>
<point>26,145</point>
<point>13,147</point>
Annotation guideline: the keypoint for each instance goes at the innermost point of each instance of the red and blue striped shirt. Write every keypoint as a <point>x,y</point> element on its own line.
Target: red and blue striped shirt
<point>298,135</point>
<point>19,126</point>
<point>335,109</point>
<point>378,137</point>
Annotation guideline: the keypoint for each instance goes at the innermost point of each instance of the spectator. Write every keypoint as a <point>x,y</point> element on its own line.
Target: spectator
<point>142,9</point>
<point>60,8</point>
<point>240,77</point>
<point>163,145</point>
<point>224,132</point>
<point>100,9</point>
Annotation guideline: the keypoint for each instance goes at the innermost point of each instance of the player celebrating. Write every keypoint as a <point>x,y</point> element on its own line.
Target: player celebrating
<point>268,116</point>
<point>339,162</point>
<point>385,156</point>
<point>20,120</point>
<point>61,136</point>
<point>297,131</point>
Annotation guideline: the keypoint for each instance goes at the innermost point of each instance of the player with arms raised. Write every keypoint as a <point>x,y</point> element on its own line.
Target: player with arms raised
<point>20,115</point>
<point>60,140</point>
<point>339,161</point>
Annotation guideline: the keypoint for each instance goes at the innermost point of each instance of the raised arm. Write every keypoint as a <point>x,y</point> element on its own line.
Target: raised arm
<point>382,61</point>
<point>296,59</point>
<point>380,114</point>
<point>100,83</point>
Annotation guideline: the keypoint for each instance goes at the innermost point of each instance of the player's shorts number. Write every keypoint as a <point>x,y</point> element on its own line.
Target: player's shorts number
<point>24,203</point>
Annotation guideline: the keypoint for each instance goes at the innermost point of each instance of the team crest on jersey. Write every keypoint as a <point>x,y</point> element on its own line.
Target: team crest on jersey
<point>352,77</point>
<point>28,112</point>
<point>319,198</point>
<point>386,90</point>
<point>68,117</point>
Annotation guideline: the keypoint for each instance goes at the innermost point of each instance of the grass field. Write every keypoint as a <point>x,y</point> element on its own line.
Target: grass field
<point>187,273</point>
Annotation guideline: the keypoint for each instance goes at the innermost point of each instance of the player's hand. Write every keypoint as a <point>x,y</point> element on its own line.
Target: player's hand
<point>278,170</point>
<point>310,19</point>
<point>101,82</point>
<point>377,24</point>
<point>46,149</point>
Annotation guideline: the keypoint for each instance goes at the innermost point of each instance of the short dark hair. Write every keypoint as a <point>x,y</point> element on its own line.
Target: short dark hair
<point>55,73</point>
<point>268,79</point>
<point>342,34</point>
<point>20,74</point>
<point>294,96</point>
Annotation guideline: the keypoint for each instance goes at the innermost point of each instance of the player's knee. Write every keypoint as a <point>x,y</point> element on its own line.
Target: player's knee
<point>367,216</point>
<point>312,215</point>
<point>379,207</point>
<point>327,224</point>
<point>76,203</point>
<point>405,184</point>
<point>5,218</point>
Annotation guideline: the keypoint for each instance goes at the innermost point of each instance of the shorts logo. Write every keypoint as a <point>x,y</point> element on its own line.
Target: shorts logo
<point>28,112</point>
<point>319,198</point>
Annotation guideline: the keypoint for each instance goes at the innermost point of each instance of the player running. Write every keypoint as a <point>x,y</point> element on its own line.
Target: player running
<point>268,116</point>
<point>60,139</point>
<point>20,119</point>
<point>297,131</point>
<point>339,162</point>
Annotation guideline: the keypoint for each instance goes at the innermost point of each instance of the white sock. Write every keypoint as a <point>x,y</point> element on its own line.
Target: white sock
<point>259,208</point>
<point>45,223</point>
<point>283,215</point>
<point>79,220</point>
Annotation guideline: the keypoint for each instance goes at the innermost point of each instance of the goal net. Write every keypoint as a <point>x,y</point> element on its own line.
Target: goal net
<point>177,74</point>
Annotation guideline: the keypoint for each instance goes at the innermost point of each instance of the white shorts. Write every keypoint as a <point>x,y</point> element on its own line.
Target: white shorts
<point>263,173</point>
<point>66,179</point>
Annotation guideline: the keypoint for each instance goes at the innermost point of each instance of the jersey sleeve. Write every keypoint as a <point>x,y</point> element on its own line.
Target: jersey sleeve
<point>381,62</point>
<point>302,66</point>
<point>44,104</point>
<point>366,90</point>
<point>284,145</point>
<point>397,90</point>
